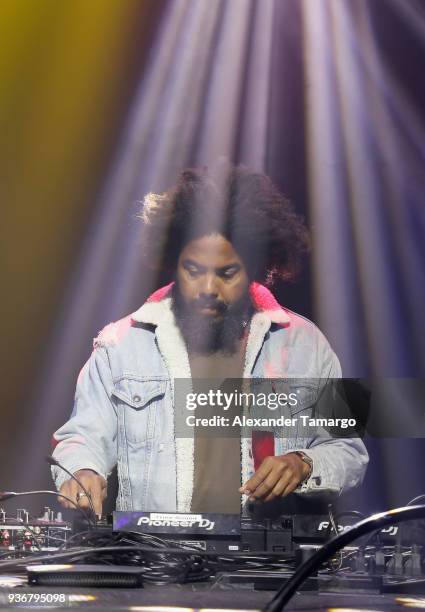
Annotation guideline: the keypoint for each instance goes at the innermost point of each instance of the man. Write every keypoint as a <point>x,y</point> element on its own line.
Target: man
<point>219,237</point>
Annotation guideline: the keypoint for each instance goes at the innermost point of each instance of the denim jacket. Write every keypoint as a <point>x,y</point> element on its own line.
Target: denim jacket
<point>124,412</point>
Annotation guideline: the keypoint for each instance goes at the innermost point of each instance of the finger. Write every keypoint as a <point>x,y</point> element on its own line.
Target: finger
<point>277,490</point>
<point>69,489</point>
<point>75,490</point>
<point>95,490</point>
<point>104,487</point>
<point>259,476</point>
<point>256,479</point>
<point>267,486</point>
<point>260,492</point>
<point>280,471</point>
<point>283,487</point>
<point>92,484</point>
<point>63,502</point>
<point>83,500</point>
<point>290,487</point>
<point>97,502</point>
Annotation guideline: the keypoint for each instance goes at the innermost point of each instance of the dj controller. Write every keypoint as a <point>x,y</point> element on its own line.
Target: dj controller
<point>208,532</point>
<point>227,532</point>
<point>142,549</point>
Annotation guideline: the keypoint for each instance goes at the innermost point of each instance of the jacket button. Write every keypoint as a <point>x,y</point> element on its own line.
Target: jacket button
<point>136,398</point>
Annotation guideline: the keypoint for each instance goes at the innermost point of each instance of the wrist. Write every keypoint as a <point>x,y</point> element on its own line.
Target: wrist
<point>307,465</point>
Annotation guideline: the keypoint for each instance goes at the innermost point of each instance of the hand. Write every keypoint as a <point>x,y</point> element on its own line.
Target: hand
<point>95,486</point>
<point>276,477</point>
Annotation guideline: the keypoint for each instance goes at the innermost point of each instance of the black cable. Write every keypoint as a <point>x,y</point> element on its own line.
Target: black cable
<point>52,461</point>
<point>160,563</point>
<point>401,532</point>
<point>86,551</point>
<point>376,521</point>
<point>353,513</point>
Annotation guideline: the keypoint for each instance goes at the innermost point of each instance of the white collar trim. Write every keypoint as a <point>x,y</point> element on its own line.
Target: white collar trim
<point>157,309</point>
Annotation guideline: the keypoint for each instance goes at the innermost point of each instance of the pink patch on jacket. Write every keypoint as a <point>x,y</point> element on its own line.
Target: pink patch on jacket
<point>262,298</point>
<point>160,293</point>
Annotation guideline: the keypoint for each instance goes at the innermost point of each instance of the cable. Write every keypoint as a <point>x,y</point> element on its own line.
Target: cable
<point>416,499</point>
<point>376,521</point>
<point>333,523</point>
<point>9,494</point>
<point>52,461</point>
<point>159,563</point>
<point>353,513</point>
<point>179,552</point>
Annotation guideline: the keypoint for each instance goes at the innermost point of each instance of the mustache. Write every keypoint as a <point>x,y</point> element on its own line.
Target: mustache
<point>218,305</point>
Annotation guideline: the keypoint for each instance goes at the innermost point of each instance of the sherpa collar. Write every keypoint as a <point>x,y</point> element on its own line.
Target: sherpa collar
<point>157,311</point>
<point>157,308</point>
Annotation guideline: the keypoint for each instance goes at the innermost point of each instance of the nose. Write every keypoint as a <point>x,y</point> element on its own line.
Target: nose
<point>209,286</point>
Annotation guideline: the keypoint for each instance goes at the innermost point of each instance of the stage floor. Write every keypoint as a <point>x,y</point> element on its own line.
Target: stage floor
<point>199,596</point>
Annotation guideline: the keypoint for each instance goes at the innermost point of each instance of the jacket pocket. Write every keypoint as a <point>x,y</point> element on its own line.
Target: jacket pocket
<point>138,403</point>
<point>306,393</point>
<point>303,394</point>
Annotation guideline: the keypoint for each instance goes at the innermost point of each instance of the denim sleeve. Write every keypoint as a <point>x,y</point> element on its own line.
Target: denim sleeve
<point>338,463</point>
<point>88,439</point>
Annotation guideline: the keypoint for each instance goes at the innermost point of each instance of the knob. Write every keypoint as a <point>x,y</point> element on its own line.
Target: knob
<point>22,515</point>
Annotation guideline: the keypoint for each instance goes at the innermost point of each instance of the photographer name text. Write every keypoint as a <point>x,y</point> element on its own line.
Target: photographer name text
<point>244,421</point>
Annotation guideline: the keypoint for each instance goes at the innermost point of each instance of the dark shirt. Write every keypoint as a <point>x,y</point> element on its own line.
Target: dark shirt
<point>217,455</point>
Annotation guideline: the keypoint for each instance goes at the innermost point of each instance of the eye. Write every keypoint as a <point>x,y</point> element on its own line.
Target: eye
<point>230,273</point>
<point>192,271</point>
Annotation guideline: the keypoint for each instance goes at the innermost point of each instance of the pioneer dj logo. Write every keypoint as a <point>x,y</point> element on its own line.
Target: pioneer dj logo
<point>325,525</point>
<point>161,519</point>
<point>391,530</point>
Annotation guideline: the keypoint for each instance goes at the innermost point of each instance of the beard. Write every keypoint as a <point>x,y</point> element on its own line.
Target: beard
<point>207,334</point>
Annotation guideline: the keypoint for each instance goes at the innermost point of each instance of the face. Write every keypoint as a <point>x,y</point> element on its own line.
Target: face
<point>211,299</point>
<point>211,276</point>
